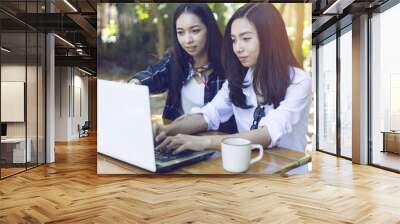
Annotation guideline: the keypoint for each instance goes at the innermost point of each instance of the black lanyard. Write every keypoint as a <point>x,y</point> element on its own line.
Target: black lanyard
<point>258,114</point>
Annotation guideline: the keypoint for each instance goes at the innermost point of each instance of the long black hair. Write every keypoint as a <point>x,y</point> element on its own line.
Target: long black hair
<point>271,73</point>
<point>181,59</point>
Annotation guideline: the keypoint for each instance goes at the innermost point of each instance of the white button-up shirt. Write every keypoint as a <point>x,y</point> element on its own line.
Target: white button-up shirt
<point>287,124</point>
<point>192,95</point>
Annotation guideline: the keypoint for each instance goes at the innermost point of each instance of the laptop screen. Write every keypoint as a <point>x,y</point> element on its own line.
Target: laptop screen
<point>124,129</point>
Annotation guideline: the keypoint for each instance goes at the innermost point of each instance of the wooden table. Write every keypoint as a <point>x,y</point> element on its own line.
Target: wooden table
<point>276,160</point>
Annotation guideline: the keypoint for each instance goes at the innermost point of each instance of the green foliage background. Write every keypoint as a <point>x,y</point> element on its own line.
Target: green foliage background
<point>132,36</point>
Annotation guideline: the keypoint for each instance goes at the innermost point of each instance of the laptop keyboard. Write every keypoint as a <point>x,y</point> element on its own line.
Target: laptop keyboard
<point>164,156</point>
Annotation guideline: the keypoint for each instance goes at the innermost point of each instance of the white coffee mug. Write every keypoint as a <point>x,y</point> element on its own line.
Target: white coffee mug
<point>236,154</point>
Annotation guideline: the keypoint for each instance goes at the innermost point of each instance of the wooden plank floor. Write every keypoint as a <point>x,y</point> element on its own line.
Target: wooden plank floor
<point>70,191</point>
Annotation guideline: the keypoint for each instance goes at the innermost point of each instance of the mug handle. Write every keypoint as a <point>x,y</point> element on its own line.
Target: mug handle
<point>260,154</point>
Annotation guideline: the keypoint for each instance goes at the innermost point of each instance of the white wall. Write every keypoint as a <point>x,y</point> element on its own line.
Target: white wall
<point>71,94</point>
<point>33,126</point>
<point>13,73</point>
<point>81,101</point>
<point>12,101</point>
<point>62,81</point>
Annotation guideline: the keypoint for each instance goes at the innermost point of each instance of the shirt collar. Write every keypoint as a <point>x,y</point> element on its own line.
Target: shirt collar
<point>193,72</point>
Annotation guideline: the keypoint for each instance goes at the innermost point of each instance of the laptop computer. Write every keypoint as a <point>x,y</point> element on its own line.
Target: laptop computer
<point>125,129</point>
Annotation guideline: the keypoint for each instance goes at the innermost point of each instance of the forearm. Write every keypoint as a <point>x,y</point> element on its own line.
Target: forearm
<point>188,125</point>
<point>157,81</point>
<point>156,76</point>
<point>258,136</point>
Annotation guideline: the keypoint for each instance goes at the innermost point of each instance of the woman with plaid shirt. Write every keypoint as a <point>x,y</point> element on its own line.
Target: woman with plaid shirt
<point>191,71</point>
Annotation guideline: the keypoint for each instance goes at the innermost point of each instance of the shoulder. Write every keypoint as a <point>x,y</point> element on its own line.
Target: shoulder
<point>167,55</point>
<point>298,75</point>
<point>300,83</point>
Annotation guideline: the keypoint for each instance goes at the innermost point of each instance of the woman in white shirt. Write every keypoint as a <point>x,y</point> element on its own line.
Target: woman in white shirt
<point>266,89</point>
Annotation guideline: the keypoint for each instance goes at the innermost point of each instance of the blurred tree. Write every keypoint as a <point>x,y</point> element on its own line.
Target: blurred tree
<point>143,32</point>
<point>160,29</point>
<point>297,47</point>
<point>281,7</point>
<point>219,11</point>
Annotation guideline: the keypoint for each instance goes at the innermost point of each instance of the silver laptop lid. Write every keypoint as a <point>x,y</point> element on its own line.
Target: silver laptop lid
<point>124,123</point>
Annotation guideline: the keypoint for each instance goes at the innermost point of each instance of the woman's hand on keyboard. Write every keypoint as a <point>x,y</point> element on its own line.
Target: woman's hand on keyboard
<point>159,132</point>
<point>183,142</point>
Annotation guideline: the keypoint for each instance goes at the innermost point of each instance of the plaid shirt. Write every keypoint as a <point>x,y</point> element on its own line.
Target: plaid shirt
<point>157,78</point>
